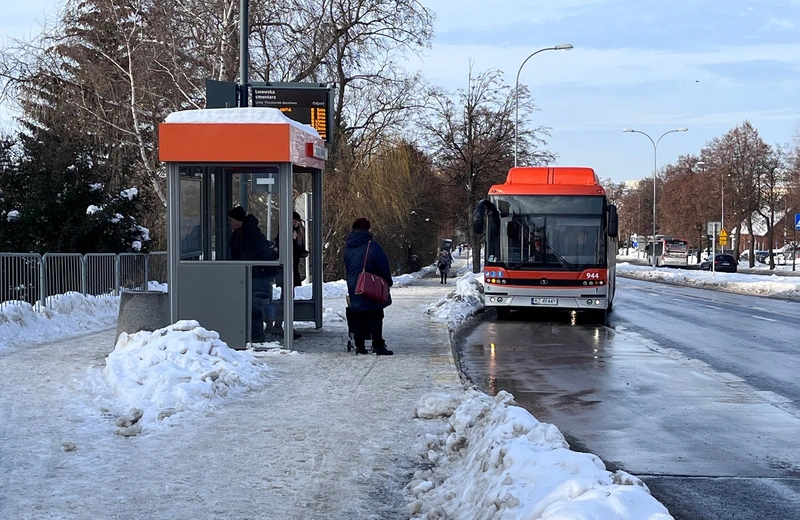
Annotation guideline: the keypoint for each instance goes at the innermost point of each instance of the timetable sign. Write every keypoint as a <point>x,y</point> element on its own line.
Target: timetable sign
<point>307,105</point>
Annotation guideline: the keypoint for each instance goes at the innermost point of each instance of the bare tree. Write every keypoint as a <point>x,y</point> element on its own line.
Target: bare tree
<point>472,136</point>
<point>684,206</point>
<point>740,155</point>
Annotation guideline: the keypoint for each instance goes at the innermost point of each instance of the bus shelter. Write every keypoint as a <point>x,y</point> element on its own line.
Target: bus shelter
<point>269,165</point>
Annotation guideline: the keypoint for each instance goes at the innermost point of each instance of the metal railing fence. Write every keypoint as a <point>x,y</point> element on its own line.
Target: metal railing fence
<point>33,278</point>
<point>20,277</point>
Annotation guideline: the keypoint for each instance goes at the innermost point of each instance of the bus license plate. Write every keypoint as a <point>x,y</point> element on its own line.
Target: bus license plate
<point>544,301</point>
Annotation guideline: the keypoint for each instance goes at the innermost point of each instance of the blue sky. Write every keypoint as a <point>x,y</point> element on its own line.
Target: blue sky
<point>648,65</point>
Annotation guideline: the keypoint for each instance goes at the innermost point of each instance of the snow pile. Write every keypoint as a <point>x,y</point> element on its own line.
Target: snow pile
<point>182,367</point>
<point>456,307</point>
<point>773,286</point>
<point>495,460</point>
<point>67,314</point>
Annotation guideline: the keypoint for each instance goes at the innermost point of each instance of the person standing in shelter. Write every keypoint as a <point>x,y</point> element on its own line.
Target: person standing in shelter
<point>444,264</point>
<point>363,252</point>
<point>299,251</point>
<point>247,242</point>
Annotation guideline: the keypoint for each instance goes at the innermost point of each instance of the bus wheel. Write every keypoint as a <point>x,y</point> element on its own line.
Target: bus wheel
<point>598,316</point>
<point>503,313</point>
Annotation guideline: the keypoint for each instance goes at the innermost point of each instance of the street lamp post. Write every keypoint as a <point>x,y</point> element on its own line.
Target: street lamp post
<point>655,170</point>
<point>562,47</point>
<point>722,195</point>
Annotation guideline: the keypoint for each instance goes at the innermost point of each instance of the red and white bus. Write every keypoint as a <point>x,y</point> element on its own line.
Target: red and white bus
<point>669,251</point>
<point>551,237</point>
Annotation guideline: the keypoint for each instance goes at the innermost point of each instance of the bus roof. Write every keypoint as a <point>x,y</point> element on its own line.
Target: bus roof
<point>549,180</point>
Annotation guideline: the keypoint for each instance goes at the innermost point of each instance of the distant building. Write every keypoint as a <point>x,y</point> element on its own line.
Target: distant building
<point>628,186</point>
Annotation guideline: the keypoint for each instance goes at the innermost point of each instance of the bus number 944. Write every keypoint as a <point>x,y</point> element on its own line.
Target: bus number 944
<point>592,275</point>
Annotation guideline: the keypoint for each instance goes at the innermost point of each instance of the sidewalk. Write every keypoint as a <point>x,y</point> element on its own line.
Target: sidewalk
<point>331,435</point>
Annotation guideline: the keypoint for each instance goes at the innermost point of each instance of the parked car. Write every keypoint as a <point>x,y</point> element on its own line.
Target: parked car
<point>761,256</point>
<point>722,262</point>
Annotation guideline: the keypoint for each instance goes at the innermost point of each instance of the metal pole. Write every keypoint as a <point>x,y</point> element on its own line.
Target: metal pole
<point>655,169</point>
<point>563,46</point>
<point>722,182</point>
<point>244,18</point>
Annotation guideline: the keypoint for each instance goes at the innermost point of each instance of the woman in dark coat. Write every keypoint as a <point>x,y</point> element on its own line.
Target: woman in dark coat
<point>367,315</point>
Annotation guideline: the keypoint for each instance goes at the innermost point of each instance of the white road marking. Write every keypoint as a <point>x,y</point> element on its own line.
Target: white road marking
<point>712,307</point>
<point>762,318</point>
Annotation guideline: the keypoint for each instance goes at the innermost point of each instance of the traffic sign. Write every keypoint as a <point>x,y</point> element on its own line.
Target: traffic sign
<point>713,228</point>
<point>797,220</point>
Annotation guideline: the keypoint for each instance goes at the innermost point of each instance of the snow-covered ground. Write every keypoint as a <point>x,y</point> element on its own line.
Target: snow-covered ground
<point>766,284</point>
<point>485,457</point>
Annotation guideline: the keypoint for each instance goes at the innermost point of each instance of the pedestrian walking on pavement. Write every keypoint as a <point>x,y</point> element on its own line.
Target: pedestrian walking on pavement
<point>363,252</point>
<point>444,264</point>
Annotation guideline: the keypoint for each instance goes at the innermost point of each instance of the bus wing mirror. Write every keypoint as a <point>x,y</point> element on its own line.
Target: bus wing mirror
<point>479,214</point>
<point>613,222</point>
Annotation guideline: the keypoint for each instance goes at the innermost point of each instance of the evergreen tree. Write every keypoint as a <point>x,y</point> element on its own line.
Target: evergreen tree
<point>52,202</point>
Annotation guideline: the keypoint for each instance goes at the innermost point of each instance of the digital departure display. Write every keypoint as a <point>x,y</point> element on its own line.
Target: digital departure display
<point>305,105</point>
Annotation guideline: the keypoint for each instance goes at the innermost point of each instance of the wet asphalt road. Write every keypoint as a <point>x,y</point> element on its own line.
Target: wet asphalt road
<point>694,391</point>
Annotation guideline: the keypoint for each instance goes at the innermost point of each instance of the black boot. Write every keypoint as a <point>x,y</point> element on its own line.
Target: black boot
<point>361,350</point>
<point>381,350</point>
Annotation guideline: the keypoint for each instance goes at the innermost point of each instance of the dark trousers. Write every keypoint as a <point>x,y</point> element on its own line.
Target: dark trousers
<point>368,325</point>
<point>261,306</point>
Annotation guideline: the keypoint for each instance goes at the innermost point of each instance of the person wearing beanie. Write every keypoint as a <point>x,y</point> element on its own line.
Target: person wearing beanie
<point>238,214</point>
<point>247,242</point>
<point>367,315</point>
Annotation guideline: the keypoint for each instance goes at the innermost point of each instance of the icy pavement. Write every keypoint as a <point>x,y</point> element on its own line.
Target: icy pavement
<point>173,424</point>
<point>330,435</point>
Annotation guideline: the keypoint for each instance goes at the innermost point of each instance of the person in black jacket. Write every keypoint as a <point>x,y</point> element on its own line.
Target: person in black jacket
<point>247,242</point>
<point>298,252</point>
<point>367,315</point>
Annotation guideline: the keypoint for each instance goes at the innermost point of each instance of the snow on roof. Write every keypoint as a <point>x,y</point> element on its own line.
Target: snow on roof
<point>259,115</point>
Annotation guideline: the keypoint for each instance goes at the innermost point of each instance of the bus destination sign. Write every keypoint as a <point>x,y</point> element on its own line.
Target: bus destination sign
<point>305,105</point>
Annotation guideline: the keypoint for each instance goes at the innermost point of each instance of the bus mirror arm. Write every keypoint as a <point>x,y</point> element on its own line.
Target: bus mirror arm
<point>613,222</point>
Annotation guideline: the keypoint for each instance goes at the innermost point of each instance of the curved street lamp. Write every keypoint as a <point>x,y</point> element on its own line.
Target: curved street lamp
<point>561,47</point>
<point>655,169</point>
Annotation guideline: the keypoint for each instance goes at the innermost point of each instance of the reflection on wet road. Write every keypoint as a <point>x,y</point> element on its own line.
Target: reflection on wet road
<point>645,406</point>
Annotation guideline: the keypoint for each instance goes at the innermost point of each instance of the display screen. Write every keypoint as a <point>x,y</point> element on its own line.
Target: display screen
<point>309,106</point>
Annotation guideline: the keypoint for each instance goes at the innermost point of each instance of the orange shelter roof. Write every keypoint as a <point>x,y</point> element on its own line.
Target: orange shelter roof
<point>242,139</point>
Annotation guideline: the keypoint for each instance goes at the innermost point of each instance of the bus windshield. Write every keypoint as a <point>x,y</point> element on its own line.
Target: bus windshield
<point>545,231</point>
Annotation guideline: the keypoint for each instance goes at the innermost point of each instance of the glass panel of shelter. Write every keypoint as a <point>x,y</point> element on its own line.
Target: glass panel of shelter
<point>208,193</point>
<point>205,232</point>
<point>257,192</point>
